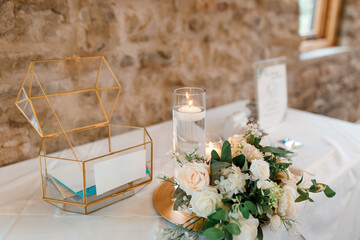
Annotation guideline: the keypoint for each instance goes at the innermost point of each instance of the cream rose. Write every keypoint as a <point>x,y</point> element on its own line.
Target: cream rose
<point>260,169</point>
<point>203,203</point>
<point>287,207</point>
<point>248,229</point>
<point>275,223</point>
<point>193,177</point>
<point>265,184</point>
<point>250,152</point>
<point>240,146</point>
<point>236,142</point>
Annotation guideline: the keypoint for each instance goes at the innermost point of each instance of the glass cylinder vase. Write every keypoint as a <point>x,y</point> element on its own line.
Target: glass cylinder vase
<point>189,131</point>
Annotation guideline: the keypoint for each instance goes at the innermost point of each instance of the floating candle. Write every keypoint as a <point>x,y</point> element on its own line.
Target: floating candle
<point>189,113</point>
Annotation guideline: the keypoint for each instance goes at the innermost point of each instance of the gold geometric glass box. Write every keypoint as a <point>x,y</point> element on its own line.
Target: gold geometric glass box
<point>87,161</point>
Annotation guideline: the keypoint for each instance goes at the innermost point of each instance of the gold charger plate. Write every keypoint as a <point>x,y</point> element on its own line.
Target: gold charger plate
<point>164,204</point>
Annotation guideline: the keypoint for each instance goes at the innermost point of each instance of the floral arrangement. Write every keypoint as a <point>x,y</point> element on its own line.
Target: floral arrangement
<point>248,185</point>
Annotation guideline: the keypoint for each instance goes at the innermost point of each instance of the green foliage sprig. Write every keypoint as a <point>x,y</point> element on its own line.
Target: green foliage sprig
<point>315,188</point>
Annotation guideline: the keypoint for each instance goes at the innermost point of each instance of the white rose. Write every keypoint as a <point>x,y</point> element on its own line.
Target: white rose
<point>275,223</point>
<point>203,203</point>
<point>287,207</point>
<point>193,177</point>
<point>248,229</point>
<point>260,169</point>
<point>265,184</point>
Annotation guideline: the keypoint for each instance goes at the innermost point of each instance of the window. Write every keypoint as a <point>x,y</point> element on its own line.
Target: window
<point>318,22</point>
<point>306,19</point>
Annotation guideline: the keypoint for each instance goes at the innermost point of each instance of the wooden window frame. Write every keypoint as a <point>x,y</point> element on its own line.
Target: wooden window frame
<point>325,26</point>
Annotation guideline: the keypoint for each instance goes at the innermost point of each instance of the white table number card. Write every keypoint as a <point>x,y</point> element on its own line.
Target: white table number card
<point>120,170</point>
<point>271,91</point>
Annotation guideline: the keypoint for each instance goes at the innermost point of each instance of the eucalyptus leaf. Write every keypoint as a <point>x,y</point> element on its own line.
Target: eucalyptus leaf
<point>178,202</point>
<point>226,152</point>
<point>300,181</point>
<point>233,228</point>
<point>217,207</point>
<point>314,182</point>
<point>239,161</point>
<point>251,140</point>
<point>303,196</point>
<point>267,209</point>
<point>213,233</point>
<point>259,233</point>
<point>276,151</point>
<point>267,158</point>
<point>235,220</point>
<point>257,141</point>
<point>213,178</point>
<point>245,212</point>
<point>227,235</point>
<point>302,193</point>
<point>217,166</point>
<point>210,223</point>
<point>213,161</point>
<point>215,155</point>
<point>329,192</point>
<point>313,189</point>
<point>251,206</point>
<point>178,193</point>
<point>300,199</point>
<point>259,209</point>
<point>222,215</point>
<point>225,200</point>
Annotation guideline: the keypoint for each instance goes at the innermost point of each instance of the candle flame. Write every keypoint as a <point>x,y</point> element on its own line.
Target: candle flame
<point>211,146</point>
<point>190,103</point>
<point>187,95</point>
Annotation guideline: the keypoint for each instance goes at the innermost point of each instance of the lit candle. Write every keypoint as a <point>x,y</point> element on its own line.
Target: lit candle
<point>209,147</point>
<point>213,142</point>
<point>189,113</point>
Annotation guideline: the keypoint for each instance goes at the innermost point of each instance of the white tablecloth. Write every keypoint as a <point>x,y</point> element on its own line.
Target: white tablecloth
<point>331,151</point>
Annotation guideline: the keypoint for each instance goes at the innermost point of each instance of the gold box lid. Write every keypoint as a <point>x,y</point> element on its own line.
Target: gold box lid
<point>60,96</point>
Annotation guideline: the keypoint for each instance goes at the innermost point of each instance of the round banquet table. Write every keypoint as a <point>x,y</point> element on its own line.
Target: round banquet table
<point>331,151</point>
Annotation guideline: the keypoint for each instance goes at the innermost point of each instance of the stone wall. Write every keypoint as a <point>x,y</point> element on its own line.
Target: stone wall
<point>155,46</point>
<point>329,85</point>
